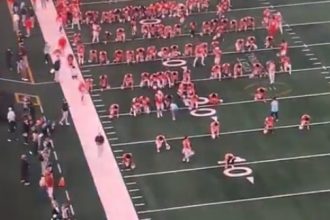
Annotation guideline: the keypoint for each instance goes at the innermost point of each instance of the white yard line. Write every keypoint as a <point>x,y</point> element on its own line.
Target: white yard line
<point>232,10</point>
<point>208,78</point>
<point>225,53</point>
<point>240,102</point>
<point>257,28</point>
<point>223,133</point>
<point>304,157</point>
<point>286,195</point>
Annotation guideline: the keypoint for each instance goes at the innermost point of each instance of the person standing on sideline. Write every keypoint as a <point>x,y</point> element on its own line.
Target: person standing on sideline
<point>11,117</point>
<point>24,170</point>
<point>274,108</point>
<point>47,53</point>
<point>16,20</point>
<point>173,108</point>
<point>9,59</point>
<point>65,113</point>
<point>56,69</point>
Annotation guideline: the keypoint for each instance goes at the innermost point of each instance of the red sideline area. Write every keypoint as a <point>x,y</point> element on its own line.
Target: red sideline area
<point>104,170</point>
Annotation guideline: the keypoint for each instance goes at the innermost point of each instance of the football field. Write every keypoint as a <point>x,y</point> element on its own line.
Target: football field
<point>283,175</point>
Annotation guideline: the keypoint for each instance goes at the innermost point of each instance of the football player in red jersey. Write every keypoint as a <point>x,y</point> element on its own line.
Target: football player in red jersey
<point>305,121</point>
<point>186,149</point>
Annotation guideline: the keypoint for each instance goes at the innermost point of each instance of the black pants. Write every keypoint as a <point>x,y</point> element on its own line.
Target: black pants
<point>274,114</point>
<point>47,58</point>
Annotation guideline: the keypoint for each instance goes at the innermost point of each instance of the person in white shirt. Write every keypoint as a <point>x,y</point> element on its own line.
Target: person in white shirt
<point>173,108</point>
<point>274,108</point>
<point>11,117</point>
<point>47,58</point>
<point>16,20</point>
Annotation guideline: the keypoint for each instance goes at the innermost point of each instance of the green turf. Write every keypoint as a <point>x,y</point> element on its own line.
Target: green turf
<point>209,185</point>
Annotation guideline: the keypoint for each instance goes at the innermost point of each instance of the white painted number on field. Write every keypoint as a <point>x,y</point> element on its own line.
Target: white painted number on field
<point>203,112</point>
<point>239,171</point>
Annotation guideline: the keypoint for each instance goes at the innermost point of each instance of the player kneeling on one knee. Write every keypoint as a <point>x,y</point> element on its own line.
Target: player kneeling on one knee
<point>160,141</point>
<point>229,160</point>
<point>127,160</point>
<point>269,124</point>
<point>305,121</point>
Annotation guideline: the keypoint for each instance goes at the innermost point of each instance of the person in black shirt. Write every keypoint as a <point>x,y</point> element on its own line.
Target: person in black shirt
<point>65,113</point>
<point>24,170</point>
<point>9,59</point>
<point>99,139</point>
<point>26,130</point>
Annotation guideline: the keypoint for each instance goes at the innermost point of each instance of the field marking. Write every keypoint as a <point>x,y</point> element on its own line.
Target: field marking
<point>286,195</point>
<point>228,32</point>
<point>208,78</point>
<point>137,197</point>
<point>240,102</point>
<point>225,53</point>
<point>223,133</point>
<point>232,10</point>
<point>310,156</point>
<point>27,83</point>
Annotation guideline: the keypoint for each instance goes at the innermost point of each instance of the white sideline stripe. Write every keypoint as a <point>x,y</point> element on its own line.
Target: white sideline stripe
<point>185,35</point>
<point>225,53</point>
<point>137,197</point>
<point>244,102</point>
<point>325,72</point>
<point>112,132</point>
<point>317,63</point>
<point>311,156</point>
<point>59,168</point>
<point>118,151</point>
<point>310,54</point>
<point>110,186</point>
<point>223,133</point>
<point>298,42</point>
<point>208,79</point>
<point>130,183</point>
<point>313,58</point>
<point>97,100</point>
<point>95,95</point>
<point>27,83</point>
<point>139,204</point>
<point>286,195</point>
<point>113,139</point>
<point>133,190</point>
<point>295,37</point>
<point>327,77</point>
<point>106,122</point>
